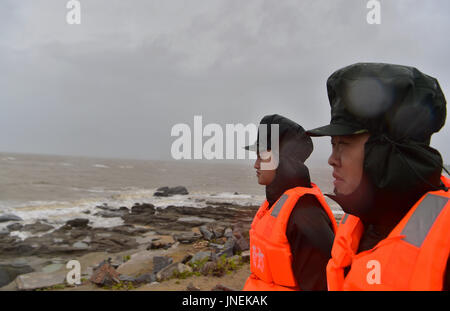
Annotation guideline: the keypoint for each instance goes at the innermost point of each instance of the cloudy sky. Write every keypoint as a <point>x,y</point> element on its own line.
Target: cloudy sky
<point>115,85</point>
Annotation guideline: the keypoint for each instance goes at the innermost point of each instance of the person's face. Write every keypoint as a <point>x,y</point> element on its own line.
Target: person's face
<point>265,177</point>
<point>347,160</point>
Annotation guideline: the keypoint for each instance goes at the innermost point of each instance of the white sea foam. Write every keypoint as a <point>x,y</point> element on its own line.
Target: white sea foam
<point>100,166</point>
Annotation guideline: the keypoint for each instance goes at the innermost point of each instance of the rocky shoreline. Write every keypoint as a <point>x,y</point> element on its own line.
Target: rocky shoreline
<point>153,245</point>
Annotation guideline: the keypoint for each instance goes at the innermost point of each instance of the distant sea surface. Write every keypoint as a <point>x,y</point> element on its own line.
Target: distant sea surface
<point>56,188</point>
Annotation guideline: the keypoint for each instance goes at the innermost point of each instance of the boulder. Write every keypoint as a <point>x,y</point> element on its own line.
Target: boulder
<point>78,222</point>
<point>187,237</point>
<point>228,249</point>
<point>207,234</point>
<point>37,227</point>
<point>9,217</point>
<point>241,245</point>
<point>15,227</point>
<point>228,233</point>
<point>146,278</point>
<point>169,191</point>
<point>35,280</point>
<point>171,270</point>
<point>105,275</point>
<point>200,256</point>
<point>160,262</point>
<point>144,208</point>
<point>8,272</point>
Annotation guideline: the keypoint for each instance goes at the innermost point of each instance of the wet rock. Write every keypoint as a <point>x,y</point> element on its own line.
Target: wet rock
<point>78,222</point>
<point>37,227</point>
<point>108,214</point>
<point>52,267</point>
<point>169,191</point>
<point>144,208</point>
<point>160,262</point>
<point>9,272</point>
<point>15,227</point>
<point>9,217</point>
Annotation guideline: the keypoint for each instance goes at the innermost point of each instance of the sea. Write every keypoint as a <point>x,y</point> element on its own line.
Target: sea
<point>54,188</point>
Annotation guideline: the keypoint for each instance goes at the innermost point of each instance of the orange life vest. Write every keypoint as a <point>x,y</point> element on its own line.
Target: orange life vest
<point>270,252</point>
<point>412,257</point>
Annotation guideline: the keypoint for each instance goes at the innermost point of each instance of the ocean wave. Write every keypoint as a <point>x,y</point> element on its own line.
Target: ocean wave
<point>100,166</point>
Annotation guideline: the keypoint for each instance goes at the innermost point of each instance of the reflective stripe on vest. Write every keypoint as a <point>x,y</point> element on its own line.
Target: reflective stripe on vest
<point>423,218</point>
<point>413,256</point>
<point>270,253</point>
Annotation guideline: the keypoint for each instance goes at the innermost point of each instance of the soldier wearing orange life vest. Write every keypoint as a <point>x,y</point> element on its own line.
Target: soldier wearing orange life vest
<point>395,233</point>
<point>293,231</point>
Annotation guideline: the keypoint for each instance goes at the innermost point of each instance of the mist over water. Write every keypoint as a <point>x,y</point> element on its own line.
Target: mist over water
<point>57,188</point>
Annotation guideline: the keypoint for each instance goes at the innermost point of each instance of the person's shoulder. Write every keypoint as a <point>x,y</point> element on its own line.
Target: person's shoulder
<point>307,211</point>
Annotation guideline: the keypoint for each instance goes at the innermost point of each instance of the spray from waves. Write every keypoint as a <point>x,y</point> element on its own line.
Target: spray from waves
<point>56,213</point>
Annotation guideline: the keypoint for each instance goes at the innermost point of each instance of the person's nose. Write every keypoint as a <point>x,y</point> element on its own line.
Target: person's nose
<point>334,159</point>
<point>257,164</point>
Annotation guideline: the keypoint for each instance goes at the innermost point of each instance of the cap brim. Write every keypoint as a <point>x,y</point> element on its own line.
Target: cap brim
<point>253,147</point>
<point>335,130</point>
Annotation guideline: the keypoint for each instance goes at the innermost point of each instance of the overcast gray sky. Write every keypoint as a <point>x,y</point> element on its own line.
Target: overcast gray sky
<point>116,84</point>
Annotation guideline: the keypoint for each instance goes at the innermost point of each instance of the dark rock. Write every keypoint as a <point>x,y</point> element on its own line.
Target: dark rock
<point>245,256</point>
<point>145,208</point>
<point>109,214</point>
<point>207,234</point>
<point>228,249</point>
<point>186,258</point>
<point>160,262</point>
<point>218,232</point>
<point>15,227</point>
<point>87,212</point>
<point>169,191</point>
<point>146,278</point>
<point>78,222</point>
<point>9,217</point>
<point>37,227</point>
<point>241,245</point>
<point>9,272</point>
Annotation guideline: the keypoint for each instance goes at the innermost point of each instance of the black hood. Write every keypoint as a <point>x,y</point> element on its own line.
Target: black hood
<point>294,148</point>
<point>400,107</point>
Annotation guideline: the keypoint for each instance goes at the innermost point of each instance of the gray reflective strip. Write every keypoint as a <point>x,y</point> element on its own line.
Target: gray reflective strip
<point>423,219</point>
<point>344,219</point>
<point>279,205</point>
